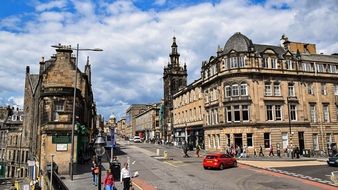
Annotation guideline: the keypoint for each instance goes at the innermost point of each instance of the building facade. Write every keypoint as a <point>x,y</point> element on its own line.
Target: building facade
<point>48,104</point>
<point>265,95</point>
<point>188,111</point>
<point>131,114</point>
<point>147,122</point>
<point>174,78</point>
<point>13,150</point>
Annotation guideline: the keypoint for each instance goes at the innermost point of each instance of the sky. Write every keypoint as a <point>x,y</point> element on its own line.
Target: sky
<point>136,36</point>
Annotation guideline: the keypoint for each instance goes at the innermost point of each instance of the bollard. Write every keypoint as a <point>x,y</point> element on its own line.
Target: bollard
<point>165,154</point>
<point>16,184</point>
<point>158,152</point>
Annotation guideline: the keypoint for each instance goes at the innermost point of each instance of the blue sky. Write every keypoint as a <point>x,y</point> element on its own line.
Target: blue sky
<point>136,38</point>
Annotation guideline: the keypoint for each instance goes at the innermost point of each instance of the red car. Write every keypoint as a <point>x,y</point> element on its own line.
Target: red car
<point>219,161</point>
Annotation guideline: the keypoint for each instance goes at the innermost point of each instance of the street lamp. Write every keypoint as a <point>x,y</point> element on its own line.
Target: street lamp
<point>99,151</point>
<point>51,172</point>
<point>74,98</point>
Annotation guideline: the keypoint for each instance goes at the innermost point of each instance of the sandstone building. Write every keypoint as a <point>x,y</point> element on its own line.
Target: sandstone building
<point>147,124</point>
<point>48,103</point>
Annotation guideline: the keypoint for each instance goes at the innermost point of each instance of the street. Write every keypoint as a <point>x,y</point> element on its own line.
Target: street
<point>188,173</point>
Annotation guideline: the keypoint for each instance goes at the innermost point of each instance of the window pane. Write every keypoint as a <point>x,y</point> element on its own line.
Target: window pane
<point>245,112</point>
<point>249,139</point>
<point>278,112</point>
<point>269,112</point>
<point>237,113</point>
<point>266,140</point>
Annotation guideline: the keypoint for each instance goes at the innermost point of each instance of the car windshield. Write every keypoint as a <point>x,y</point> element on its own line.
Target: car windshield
<point>211,157</point>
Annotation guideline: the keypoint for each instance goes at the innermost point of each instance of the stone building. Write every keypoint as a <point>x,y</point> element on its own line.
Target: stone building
<point>131,114</point>
<point>121,126</point>
<point>13,150</point>
<point>174,78</point>
<point>266,95</point>
<point>48,105</point>
<point>188,110</point>
<point>147,123</point>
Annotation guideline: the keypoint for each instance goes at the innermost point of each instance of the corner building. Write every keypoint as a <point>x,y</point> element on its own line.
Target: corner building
<point>261,95</point>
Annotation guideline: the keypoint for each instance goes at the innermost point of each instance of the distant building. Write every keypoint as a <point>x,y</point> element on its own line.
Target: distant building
<point>13,150</point>
<point>174,78</point>
<point>131,114</point>
<point>147,122</point>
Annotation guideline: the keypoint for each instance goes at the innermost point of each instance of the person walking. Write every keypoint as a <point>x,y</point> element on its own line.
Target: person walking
<point>271,151</point>
<point>92,168</point>
<point>96,173</point>
<point>185,150</point>
<point>198,148</point>
<point>108,181</point>
<point>125,176</point>
<point>261,151</point>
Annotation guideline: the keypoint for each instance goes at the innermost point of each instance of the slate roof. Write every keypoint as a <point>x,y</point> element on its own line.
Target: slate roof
<point>237,42</point>
<point>320,58</point>
<point>259,48</point>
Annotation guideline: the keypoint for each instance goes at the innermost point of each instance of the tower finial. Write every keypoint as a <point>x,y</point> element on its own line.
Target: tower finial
<point>87,60</point>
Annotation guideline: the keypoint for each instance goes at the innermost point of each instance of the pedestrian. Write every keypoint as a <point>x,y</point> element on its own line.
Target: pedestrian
<point>96,174</point>
<point>125,176</point>
<point>271,151</point>
<point>37,186</point>
<point>185,149</point>
<point>255,152</point>
<point>297,151</point>
<point>261,151</point>
<point>198,148</point>
<point>244,151</point>
<point>108,181</point>
<point>92,168</point>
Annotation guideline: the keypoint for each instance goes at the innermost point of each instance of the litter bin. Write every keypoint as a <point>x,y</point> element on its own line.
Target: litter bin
<point>115,168</point>
<point>306,152</point>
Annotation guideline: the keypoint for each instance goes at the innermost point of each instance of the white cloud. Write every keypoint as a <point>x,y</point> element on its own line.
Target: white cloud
<point>160,2</point>
<point>50,5</point>
<point>137,43</point>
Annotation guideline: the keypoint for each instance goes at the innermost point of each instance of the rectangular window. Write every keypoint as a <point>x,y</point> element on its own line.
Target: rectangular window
<point>249,139</point>
<point>214,141</point>
<point>227,139</point>
<point>245,112</point>
<point>276,87</point>
<point>320,68</point>
<point>241,61</point>
<point>234,90</point>
<point>285,140</point>
<point>227,91</point>
<point>268,90</point>
<point>218,141</point>
<point>266,140</point>
<point>315,141</point>
<point>326,115</point>
<point>313,113</point>
<point>237,114</point>
<point>333,69</point>
<point>269,115</point>
<point>273,63</point>
<point>229,115</point>
<point>323,88</point>
<point>244,89</point>
<point>278,113</point>
<point>289,65</point>
<point>265,62</point>
<point>335,89</point>
<point>293,112</point>
<point>310,89</point>
<point>291,91</point>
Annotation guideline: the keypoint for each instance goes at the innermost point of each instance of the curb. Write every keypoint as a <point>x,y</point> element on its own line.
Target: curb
<point>330,183</point>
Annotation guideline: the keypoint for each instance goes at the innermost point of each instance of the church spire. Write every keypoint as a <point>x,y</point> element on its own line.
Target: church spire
<point>174,55</point>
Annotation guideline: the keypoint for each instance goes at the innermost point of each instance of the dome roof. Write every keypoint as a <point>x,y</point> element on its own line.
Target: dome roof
<point>112,116</point>
<point>238,42</point>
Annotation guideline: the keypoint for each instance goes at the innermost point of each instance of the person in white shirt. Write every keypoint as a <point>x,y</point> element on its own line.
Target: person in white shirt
<point>125,176</point>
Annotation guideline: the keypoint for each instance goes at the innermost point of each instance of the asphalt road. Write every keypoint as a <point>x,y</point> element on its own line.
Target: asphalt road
<point>186,174</point>
<point>322,172</point>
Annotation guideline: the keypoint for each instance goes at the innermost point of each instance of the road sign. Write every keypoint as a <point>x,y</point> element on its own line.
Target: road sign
<point>31,162</point>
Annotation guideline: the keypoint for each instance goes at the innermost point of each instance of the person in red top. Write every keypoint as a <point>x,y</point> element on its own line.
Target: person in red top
<point>108,181</point>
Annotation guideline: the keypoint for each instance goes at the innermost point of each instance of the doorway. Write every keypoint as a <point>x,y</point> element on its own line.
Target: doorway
<point>301,142</point>
<point>238,140</point>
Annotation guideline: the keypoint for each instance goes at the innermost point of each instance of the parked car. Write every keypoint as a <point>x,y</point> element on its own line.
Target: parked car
<point>137,139</point>
<point>131,139</point>
<point>333,160</point>
<point>219,161</point>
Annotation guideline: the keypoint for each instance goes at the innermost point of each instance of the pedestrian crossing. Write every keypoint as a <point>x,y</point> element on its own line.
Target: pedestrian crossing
<point>300,176</point>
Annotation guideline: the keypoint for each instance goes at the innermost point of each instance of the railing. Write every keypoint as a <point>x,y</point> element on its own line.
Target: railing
<point>57,182</point>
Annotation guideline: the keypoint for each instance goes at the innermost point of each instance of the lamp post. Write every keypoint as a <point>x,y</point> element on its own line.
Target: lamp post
<point>74,101</point>
<point>51,172</point>
<point>99,151</point>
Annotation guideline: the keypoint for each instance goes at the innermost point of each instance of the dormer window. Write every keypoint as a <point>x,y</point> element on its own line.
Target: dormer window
<point>273,63</point>
<point>233,62</point>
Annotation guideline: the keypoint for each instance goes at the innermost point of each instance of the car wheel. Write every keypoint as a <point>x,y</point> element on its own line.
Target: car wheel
<point>221,167</point>
<point>234,164</point>
<point>205,167</point>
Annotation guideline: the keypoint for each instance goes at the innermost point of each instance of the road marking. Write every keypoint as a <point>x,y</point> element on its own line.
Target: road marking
<point>170,164</point>
<point>137,186</point>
